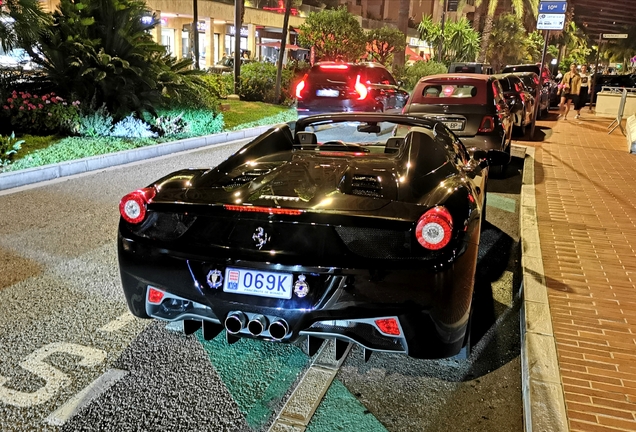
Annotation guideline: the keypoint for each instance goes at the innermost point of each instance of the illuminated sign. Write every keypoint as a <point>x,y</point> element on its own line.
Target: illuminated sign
<point>244,32</point>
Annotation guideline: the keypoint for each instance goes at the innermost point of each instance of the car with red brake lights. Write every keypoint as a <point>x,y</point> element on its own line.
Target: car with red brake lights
<point>331,87</point>
<point>471,105</point>
<point>350,233</point>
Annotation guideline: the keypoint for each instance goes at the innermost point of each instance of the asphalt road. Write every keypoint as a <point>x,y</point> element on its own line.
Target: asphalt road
<point>72,358</point>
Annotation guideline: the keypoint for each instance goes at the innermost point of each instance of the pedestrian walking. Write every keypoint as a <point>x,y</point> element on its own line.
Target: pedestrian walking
<point>585,86</point>
<point>570,88</point>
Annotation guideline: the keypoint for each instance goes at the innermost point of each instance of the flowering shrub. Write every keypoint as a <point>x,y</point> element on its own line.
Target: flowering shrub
<point>47,113</point>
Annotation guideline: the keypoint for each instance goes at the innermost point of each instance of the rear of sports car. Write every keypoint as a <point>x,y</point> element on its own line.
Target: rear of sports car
<point>283,249</point>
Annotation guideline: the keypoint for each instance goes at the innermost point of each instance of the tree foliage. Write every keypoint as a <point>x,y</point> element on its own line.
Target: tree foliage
<point>460,40</point>
<point>507,41</point>
<point>101,52</point>
<point>21,22</point>
<point>382,43</point>
<point>622,50</point>
<point>334,34</point>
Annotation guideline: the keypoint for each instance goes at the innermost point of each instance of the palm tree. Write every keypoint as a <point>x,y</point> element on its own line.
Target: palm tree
<point>489,7</point>
<point>20,22</point>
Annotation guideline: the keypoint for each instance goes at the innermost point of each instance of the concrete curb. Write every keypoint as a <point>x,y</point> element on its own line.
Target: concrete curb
<point>15,179</point>
<point>542,390</point>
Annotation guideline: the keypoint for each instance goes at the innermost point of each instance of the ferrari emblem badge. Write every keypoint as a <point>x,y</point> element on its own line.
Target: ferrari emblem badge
<point>260,237</point>
<point>215,278</point>
<point>301,288</point>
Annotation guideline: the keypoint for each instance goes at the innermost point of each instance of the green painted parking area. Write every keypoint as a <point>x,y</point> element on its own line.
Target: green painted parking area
<point>260,375</point>
<point>256,374</point>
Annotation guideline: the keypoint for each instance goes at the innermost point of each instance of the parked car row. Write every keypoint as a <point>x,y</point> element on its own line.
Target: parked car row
<point>481,109</point>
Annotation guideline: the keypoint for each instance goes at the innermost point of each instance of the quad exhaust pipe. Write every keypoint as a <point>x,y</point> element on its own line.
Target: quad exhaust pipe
<point>257,324</point>
<point>278,329</point>
<point>235,322</point>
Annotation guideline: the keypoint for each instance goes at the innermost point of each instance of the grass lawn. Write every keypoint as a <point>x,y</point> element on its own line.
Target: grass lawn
<point>43,150</point>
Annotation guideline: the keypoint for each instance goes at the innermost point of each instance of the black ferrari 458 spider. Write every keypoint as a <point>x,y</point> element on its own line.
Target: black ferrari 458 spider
<point>340,229</point>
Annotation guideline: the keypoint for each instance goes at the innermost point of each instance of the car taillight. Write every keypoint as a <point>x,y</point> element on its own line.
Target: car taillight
<point>133,206</point>
<point>434,229</point>
<point>522,96</point>
<point>269,210</point>
<point>487,125</point>
<point>154,295</point>
<point>536,80</point>
<point>300,87</point>
<point>388,326</point>
<point>361,89</point>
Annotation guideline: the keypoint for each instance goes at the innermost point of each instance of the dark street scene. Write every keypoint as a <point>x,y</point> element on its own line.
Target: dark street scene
<point>318,215</point>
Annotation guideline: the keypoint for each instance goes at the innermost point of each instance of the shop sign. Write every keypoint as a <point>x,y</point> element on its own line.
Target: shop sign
<point>244,32</point>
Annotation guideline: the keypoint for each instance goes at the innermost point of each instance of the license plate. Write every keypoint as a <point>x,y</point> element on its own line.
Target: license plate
<point>258,283</point>
<point>454,125</point>
<point>327,93</point>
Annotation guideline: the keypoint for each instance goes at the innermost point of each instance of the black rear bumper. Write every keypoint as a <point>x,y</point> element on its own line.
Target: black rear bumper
<point>431,305</point>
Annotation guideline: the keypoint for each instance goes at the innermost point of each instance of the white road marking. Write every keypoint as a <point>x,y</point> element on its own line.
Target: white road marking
<point>118,323</point>
<point>55,379</point>
<point>83,398</point>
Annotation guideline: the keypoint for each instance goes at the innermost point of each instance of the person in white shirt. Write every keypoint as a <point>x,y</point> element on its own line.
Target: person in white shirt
<point>585,86</point>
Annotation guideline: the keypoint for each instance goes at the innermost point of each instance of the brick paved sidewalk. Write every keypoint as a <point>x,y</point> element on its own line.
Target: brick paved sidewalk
<point>586,206</point>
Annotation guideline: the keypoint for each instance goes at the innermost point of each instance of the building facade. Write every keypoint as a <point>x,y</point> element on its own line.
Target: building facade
<point>262,29</point>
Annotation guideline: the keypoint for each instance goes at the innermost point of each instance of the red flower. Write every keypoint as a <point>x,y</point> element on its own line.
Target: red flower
<point>44,97</point>
<point>5,107</point>
<point>10,100</point>
<point>40,106</point>
<point>22,108</point>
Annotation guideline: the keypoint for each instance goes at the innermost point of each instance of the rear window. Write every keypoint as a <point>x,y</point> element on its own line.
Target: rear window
<point>505,84</point>
<point>464,69</point>
<point>341,73</point>
<point>528,81</point>
<point>470,92</point>
<point>335,74</point>
<point>522,68</point>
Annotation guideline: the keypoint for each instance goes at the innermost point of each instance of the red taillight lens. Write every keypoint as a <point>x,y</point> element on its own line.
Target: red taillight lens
<point>361,89</point>
<point>334,66</point>
<point>255,209</point>
<point>487,125</point>
<point>154,295</point>
<point>388,326</point>
<point>435,228</point>
<point>536,80</point>
<point>133,206</point>
<point>522,96</point>
<point>300,87</point>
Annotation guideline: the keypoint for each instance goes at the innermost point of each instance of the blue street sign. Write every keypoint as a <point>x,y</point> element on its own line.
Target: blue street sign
<point>553,7</point>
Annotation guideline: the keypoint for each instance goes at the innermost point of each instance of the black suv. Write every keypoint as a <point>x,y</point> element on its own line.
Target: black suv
<point>331,87</point>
